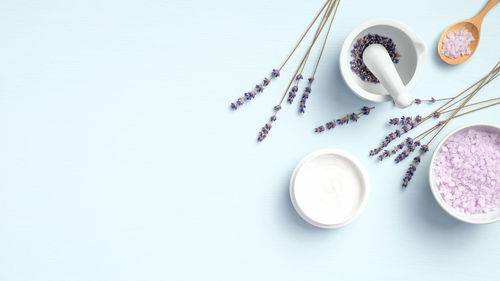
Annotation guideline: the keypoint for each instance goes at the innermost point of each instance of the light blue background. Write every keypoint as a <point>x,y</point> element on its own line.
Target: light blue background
<point>120,160</point>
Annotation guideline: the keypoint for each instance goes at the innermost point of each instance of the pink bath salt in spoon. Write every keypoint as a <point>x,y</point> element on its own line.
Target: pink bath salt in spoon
<point>454,44</point>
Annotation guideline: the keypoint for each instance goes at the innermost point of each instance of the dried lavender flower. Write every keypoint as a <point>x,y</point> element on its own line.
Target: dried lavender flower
<point>259,88</point>
<point>266,81</point>
<point>409,175</point>
<point>366,110</point>
<point>424,148</point>
<point>357,65</point>
<point>264,131</point>
<point>354,117</point>
<point>349,117</point>
<point>305,96</point>
<point>394,121</point>
<point>292,94</point>
<point>331,125</point>
<point>319,129</point>
<point>388,139</point>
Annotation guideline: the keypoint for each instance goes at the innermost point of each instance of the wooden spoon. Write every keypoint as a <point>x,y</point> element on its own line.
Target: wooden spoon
<point>473,25</point>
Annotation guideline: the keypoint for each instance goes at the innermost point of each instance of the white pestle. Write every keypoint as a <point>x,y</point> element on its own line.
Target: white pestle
<point>378,61</point>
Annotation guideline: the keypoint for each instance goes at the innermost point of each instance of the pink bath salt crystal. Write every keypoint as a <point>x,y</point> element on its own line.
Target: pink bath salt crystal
<point>467,171</point>
<point>456,43</point>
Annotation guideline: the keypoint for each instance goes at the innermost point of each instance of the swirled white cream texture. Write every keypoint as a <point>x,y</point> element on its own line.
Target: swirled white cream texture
<point>328,189</point>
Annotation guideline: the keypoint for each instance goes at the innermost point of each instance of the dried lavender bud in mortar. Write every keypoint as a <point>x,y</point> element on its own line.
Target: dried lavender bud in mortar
<point>357,65</point>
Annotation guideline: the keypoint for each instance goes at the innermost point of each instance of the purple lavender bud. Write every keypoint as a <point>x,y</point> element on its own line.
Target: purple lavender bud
<point>409,175</point>
<point>394,121</point>
<point>240,101</point>
<point>418,101</point>
<point>402,156</point>
<point>291,97</point>
<point>436,114</point>
<point>311,79</point>
<point>277,108</point>
<point>302,107</point>
<point>268,126</point>
<point>299,77</point>
<point>308,89</point>
<point>405,183</point>
<point>433,100</point>
<point>266,81</point>
<point>330,125</point>
<point>418,118</point>
<point>365,110</point>
<point>303,100</point>
<point>259,88</point>
<point>295,88</point>
<point>424,148</point>
<point>234,106</point>
<point>412,147</point>
<point>319,129</point>
<point>273,118</point>
<point>417,159</point>
<point>354,117</point>
<point>275,73</point>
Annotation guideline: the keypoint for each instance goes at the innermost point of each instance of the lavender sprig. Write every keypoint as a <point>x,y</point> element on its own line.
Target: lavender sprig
<point>411,170</point>
<point>259,88</point>
<point>406,120</point>
<point>354,117</point>
<point>305,96</point>
<point>411,145</point>
<point>388,139</point>
<point>267,127</point>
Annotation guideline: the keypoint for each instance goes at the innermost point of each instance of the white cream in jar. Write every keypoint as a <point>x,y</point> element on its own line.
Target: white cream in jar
<point>329,188</point>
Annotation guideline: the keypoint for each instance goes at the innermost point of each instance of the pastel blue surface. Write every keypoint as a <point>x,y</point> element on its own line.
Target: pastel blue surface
<point>120,159</point>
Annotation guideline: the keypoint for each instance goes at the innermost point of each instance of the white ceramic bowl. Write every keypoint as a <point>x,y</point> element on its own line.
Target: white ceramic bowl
<point>329,188</point>
<point>408,45</point>
<point>469,218</point>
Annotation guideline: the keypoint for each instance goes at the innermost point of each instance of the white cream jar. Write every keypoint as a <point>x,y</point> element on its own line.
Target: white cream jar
<point>329,188</point>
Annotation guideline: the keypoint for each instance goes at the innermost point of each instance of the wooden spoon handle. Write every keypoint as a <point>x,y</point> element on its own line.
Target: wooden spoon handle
<point>477,20</point>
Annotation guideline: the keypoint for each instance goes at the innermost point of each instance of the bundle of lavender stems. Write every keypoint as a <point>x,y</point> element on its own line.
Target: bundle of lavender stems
<point>324,18</point>
<point>454,107</point>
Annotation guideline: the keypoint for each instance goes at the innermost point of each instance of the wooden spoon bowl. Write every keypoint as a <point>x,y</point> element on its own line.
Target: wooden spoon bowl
<point>473,25</point>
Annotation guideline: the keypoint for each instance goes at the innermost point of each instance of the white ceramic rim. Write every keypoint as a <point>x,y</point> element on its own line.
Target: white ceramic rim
<point>345,57</point>
<point>355,162</point>
<point>433,186</point>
